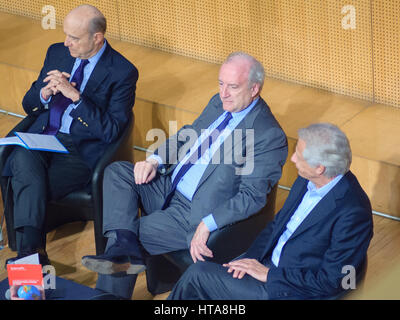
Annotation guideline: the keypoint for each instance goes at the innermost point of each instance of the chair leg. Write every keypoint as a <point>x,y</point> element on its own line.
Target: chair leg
<point>100,240</point>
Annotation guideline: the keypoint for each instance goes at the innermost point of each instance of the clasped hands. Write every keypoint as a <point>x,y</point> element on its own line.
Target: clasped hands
<point>144,172</point>
<point>58,82</point>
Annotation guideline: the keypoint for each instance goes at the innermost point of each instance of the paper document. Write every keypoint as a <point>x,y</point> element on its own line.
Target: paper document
<point>32,259</point>
<point>35,141</point>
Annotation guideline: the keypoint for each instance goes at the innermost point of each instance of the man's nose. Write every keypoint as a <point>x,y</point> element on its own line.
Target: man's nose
<point>224,91</point>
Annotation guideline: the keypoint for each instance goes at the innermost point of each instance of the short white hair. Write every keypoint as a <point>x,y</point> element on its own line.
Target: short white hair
<point>256,72</point>
<point>328,146</point>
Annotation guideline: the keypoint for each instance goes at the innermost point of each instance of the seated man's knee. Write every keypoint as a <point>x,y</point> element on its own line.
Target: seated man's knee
<point>19,158</point>
<point>26,163</point>
<point>200,269</point>
<point>111,168</point>
<point>116,170</point>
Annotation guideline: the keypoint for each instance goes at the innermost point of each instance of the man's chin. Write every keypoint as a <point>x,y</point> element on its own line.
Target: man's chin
<point>73,54</point>
<point>227,106</point>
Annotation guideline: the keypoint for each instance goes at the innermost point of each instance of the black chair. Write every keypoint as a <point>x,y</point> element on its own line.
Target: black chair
<point>163,271</point>
<point>81,205</point>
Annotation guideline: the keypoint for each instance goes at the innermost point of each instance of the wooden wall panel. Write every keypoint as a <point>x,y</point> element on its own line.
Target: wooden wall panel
<point>297,40</point>
<point>386,46</point>
<point>154,123</point>
<point>33,9</point>
<point>13,87</point>
<point>305,42</point>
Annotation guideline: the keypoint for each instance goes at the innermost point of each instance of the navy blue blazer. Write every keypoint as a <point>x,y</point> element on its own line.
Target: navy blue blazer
<point>106,102</point>
<point>336,233</point>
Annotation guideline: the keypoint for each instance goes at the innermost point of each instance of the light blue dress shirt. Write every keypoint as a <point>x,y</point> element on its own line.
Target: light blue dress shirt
<point>66,119</point>
<point>310,200</point>
<point>189,182</point>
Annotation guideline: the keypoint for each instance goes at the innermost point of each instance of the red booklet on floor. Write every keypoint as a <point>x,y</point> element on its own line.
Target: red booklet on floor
<point>26,281</point>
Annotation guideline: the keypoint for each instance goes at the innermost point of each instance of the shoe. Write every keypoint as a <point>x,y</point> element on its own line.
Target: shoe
<point>115,261</point>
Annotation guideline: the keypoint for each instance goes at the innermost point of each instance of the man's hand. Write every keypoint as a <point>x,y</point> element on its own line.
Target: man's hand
<point>58,82</point>
<point>250,266</point>
<point>145,171</point>
<point>198,245</point>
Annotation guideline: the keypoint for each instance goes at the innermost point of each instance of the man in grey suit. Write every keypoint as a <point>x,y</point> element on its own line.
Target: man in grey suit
<point>210,174</point>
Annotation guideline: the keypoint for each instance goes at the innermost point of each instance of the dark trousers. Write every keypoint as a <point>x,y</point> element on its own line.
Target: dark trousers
<point>38,177</point>
<point>158,231</point>
<point>211,281</point>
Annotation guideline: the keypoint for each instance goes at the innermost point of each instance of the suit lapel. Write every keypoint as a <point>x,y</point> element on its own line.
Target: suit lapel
<point>296,194</point>
<point>100,72</point>
<point>289,207</point>
<point>325,207</point>
<point>246,123</point>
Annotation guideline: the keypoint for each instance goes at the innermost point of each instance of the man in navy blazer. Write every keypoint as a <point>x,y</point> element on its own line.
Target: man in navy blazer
<point>322,232</point>
<point>96,113</point>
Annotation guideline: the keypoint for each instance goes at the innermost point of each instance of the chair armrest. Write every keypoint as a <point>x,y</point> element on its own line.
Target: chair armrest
<point>108,156</point>
<point>226,243</point>
<point>97,184</point>
<point>233,240</point>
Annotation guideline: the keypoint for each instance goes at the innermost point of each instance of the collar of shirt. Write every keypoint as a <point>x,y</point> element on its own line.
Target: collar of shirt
<point>238,116</point>
<point>311,198</point>
<point>188,183</point>
<point>66,119</point>
<point>321,192</point>
<point>90,66</point>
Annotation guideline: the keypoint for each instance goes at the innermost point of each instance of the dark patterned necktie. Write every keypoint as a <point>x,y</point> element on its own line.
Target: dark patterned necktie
<point>205,145</point>
<point>61,103</point>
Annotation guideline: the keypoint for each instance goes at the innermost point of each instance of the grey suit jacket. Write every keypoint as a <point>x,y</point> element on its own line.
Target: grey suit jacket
<point>238,179</point>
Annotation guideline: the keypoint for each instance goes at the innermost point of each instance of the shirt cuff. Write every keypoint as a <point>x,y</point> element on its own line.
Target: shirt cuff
<point>161,166</point>
<point>210,222</point>
<point>41,98</point>
<point>157,158</point>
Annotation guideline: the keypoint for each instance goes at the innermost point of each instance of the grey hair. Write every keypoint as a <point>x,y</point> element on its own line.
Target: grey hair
<point>256,72</point>
<point>328,146</point>
<point>98,22</point>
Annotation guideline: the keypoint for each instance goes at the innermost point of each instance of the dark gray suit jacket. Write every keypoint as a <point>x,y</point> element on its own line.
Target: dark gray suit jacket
<point>236,186</point>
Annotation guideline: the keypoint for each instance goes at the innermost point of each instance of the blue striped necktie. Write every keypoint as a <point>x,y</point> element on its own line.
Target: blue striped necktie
<point>205,145</point>
<point>61,103</point>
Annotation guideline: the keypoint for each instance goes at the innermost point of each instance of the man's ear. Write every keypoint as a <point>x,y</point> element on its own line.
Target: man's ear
<point>320,169</point>
<point>98,37</point>
<point>255,89</point>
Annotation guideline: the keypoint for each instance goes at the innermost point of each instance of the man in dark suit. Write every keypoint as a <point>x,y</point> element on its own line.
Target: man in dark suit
<point>212,173</point>
<point>84,96</point>
<point>322,231</point>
